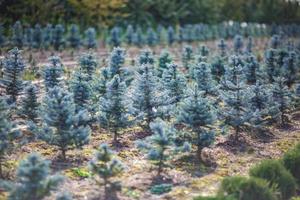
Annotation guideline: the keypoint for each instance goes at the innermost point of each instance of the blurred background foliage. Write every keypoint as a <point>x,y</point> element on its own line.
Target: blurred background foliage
<point>106,13</point>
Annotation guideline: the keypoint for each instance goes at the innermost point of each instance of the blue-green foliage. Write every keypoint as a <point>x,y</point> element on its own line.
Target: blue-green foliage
<point>145,96</point>
<point>88,64</point>
<point>30,104</point>
<point>235,96</point>
<point>275,42</point>
<point>81,90</point>
<point>282,97</point>
<point>47,36</point>
<point>90,39</point>
<point>28,37</point>
<point>137,38</point>
<point>290,68</point>
<point>252,70</point>
<point>115,36</point>
<point>151,37</point>
<point>114,107</point>
<point>2,37</point>
<point>105,166</point>
<point>116,63</point>
<point>57,36</point>
<point>187,56</point>
<point>249,46</point>
<point>271,67</point>
<point>61,125</point>
<point>146,57</point>
<point>99,83</point>
<point>53,73</point>
<point>222,46</point>
<point>74,37</point>
<point>8,132</point>
<point>203,77</point>
<point>129,34</point>
<point>17,35</point>
<point>217,68</point>
<point>34,180</point>
<point>160,146</point>
<point>37,38</point>
<point>260,97</point>
<point>238,44</point>
<point>13,68</point>
<point>171,35</point>
<point>163,61</point>
<point>197,113</point>
<point>174,83</point>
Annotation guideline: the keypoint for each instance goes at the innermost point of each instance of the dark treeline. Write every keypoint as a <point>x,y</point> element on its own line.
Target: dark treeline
<point>102,13</point>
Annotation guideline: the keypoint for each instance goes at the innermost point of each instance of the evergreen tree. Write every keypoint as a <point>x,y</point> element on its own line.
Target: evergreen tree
<point>271,67</point>
<point>57,36</point>
<point>129,34</point>
<point>106,166</point>
<point>138,39</point>
<point>2,38</point>
<point>161,145</point>
<point>151,37</point>
<point>197,114</point>
<point>13,68</point>
<point>115,36</point>
<point>238,44</point>
<point>171,35</point>
<point>62,126</point>
<point>47,36</point>
<point>187,56</point>
<point>28,37</point>
<point>88,65</point>
<point>163,60</point>
<point>204,80</point>
<point>81,90</point>
<point>252,70</point>
<point>37,37</point>
<point>74,38</point>
<point>8,132</point>
<point>99,83</point>
<point>275,42</point>
<point>34,181</point>
<point>260,97</point>
<point>30,104</point>
<point>222,48</point>
<point>90,38</point>
<point>17,35</point>
<point>249,46</point>
<point>282,97</point>
<point>218,68</point>
<point>290,69</point>
<point>235,97</point>
<point>145,96</point>
<point>116,62</point>
<point>114,107</point>
<point>146,57</point>
<point>174,83</point>
<point>53,72</point>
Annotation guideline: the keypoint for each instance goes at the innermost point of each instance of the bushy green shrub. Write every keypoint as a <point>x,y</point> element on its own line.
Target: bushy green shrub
<point>277,176</point>
<point>242,188</point>
<point>291,161</point>
<point>161,188</point>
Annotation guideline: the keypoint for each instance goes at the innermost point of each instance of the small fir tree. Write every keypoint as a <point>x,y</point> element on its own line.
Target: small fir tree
<point>151,37</point>
<point>30,104</point>
<point>17,35</point>
<point>222,46</point>
<point>8,132</point>
<point>37,37</point>
<point>145,57</point>
<point>271,68</point>
<point>34,180</point>
<point>252,70</point>
<point>74,38</point>
<point>115,36</point>
<point>187,56</point>
<point>129,34</point>
<point>204,80</point>
<point>53,73</point>
<point>47,36</point>
<point>275,42</point>
<point>81,90</point>
<point>238,44</point>
<point>145,96</point>
<point>138,38</point>
<point>114,107</point>
<point>116,63</point>
<point>163,61</point>
<point>13,68</point>
<point>105,166</point>
<point>57,36</point>
<point>28,37</point>
<point>62,126</point>
<point>235,112</point>
<point>88,65</point>
<point>171,35</point>
<point>197,114</point>
<point>218,68</point>
<point>249,46</point>
<point>290,69</point>
<point>2,38</point>
<point>90,38</point>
